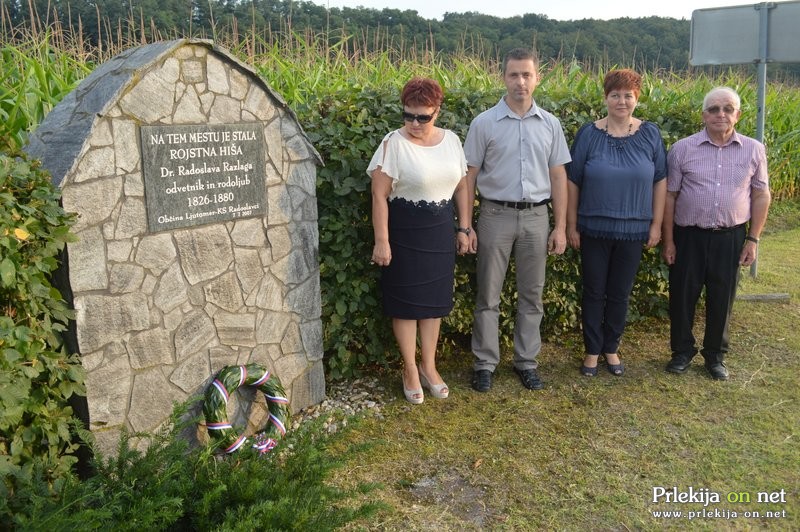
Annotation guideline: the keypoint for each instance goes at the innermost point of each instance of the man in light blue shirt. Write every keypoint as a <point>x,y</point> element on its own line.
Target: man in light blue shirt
<point>516,154</point>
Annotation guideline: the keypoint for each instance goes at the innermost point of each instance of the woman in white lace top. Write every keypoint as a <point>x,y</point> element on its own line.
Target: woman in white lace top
<point>417,177</point>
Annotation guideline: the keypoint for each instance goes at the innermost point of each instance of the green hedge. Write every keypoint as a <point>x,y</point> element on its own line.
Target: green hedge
<point>174,486</point>
<point>346,130</point>
<point>37,375</point>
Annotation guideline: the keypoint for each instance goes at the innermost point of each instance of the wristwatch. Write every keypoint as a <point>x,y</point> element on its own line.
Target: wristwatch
<point>465,230</point>
<point>752,239</point>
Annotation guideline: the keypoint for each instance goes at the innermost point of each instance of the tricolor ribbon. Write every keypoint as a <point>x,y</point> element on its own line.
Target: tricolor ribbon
<point>276,399</point>
<point>238,443</point>
<point>262,380</point>
<point>265,446</point>
<point>278,423</point>
<point>221,389</point>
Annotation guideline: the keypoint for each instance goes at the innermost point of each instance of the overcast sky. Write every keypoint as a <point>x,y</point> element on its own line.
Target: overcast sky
<point>554,9</point>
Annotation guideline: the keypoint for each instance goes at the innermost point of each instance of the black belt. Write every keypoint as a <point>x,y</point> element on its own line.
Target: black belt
<point>712,229</point>
<point>519,205</point>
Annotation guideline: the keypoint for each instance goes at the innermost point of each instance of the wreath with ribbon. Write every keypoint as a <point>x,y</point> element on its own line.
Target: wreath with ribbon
<point>224,384</point>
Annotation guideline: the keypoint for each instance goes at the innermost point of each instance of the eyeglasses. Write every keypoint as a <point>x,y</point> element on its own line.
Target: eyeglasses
<point>422,119</point>
<point>728,109</point>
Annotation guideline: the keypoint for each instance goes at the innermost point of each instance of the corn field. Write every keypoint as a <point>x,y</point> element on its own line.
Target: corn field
<point>38,68</point>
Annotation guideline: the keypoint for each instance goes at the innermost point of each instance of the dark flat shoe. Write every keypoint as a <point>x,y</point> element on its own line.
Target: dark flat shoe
<point>679,364</point>
<point>718,371</point>
<point>481,380</point>
<point>530,378</point>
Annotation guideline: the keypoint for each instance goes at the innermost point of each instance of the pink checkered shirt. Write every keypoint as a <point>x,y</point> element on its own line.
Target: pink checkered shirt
<point>714,182</point>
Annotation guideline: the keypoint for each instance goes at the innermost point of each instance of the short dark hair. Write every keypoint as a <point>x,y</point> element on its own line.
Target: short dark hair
<point>425,92</point>
<point>521,54</point>
<point>622,79</point>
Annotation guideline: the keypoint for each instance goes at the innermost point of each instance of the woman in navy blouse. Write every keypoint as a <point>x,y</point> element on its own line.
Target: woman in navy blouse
<point>616,203</point>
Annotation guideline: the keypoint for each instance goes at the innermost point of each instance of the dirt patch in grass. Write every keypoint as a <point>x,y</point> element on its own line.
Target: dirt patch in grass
<point>456,495</point>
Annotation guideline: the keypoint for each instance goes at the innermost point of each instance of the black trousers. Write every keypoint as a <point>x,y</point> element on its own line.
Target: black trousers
<point>609,270</point>
<point>709,259</point>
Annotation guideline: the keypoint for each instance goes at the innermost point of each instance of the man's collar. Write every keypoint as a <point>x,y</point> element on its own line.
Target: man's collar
<point>704,137</point>
<point>507,112</point>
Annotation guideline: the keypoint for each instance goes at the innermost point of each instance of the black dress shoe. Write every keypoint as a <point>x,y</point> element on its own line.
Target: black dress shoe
<point>679,364</point>
<point>718,371</point>
<point>481,380</point>
<point>530,378</point>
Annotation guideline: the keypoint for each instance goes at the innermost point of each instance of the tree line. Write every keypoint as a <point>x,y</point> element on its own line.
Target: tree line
<point>652,42</point>
<point>649,43</point>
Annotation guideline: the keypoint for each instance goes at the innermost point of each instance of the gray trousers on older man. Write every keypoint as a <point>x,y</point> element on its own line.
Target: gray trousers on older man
<point>502,230</point>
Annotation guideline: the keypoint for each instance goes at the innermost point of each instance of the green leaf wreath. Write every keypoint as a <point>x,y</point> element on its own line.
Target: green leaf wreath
<point>224,384</point>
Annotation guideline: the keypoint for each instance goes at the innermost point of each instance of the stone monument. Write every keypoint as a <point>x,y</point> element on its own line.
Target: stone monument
<point>195,189</point>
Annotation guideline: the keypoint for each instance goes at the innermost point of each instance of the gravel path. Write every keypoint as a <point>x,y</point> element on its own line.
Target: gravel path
<point>344,400</point>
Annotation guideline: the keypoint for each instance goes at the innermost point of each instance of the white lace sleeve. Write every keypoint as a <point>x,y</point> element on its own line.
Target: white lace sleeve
<point>385,158</point>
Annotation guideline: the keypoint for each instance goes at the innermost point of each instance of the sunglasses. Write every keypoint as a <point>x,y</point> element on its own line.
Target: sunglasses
<point>728,109</point>
<point>422,119</point>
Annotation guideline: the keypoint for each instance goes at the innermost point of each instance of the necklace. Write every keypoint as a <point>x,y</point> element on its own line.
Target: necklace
<point>618,142</point>
<point>630,129</point>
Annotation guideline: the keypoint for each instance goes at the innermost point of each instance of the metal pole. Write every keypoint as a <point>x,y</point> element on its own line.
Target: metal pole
<point>763,56</point>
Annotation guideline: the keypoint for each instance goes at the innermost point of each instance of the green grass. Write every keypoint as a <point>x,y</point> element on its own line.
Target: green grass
<point>587,453</point>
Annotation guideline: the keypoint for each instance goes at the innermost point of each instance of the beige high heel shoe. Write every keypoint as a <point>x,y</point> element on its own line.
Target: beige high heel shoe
<point>439,391</point>
<point>415,397</point>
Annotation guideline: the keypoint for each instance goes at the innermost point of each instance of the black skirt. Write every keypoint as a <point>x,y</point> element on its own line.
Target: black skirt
<point>418,283</point>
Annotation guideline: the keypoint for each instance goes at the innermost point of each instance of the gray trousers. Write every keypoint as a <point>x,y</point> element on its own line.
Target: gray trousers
<point>502,230</point>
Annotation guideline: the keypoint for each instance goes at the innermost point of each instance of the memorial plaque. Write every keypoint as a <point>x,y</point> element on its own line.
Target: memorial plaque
<point>201,174</point>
